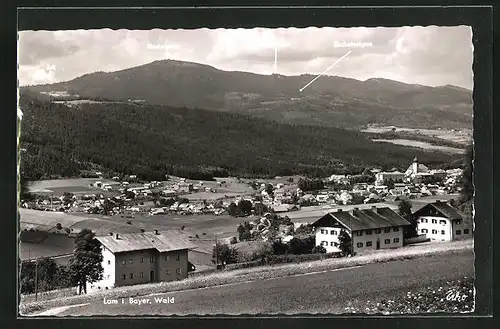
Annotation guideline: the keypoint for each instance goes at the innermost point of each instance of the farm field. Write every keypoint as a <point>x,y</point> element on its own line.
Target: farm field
<point>455,136</point>
<point>72,185</point>
<point>421,145</point>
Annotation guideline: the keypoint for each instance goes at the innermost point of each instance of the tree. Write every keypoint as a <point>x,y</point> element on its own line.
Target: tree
<point>59,226</point>
<point>225,253</point>
<point>47,271</point>
<point>85,265</point>
<point>345,243</point>
<point>67,197</point>
<point>264,250</point>
<point>269,189</point>
<point>245,206</point>
<point>404,208</point>
<point>260,209</point>
<point>24,189</point>
<point>232,209</point>
<point>304,229</point>
<point>129,194</point>
<point>244,231</point>
<point>466,181</point>
<point>108,206</point>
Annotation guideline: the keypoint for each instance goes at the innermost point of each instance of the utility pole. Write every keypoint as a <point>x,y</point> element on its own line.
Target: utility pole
<point>36,279</point>
<point>215,251</point>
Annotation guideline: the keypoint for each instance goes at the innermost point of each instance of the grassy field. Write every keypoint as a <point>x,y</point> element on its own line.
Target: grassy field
<point>421,145</point>
<point>48,218</point>
<point>454,136</point>
<point>72,185</point>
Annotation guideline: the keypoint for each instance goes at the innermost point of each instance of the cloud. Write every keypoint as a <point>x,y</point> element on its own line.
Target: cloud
<point>424,55</point>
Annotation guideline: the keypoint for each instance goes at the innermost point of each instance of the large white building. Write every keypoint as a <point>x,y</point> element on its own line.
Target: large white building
<point>382,178</point>
<point>370,229</point>
<point>141,258</point>
<point>442,222</point>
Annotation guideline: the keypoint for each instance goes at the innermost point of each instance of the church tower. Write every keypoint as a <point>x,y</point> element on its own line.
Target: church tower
<point>415,165</point>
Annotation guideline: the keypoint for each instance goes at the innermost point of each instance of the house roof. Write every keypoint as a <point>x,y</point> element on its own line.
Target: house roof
<point>163,241</point>
<point>441,207</point>
<point>363,219</point>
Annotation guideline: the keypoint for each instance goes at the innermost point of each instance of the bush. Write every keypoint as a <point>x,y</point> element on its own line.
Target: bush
<point>279,248</point>
<point>233,240</point>
<point>318,250</point>
<point>225,253</point>
<point>299,246</point>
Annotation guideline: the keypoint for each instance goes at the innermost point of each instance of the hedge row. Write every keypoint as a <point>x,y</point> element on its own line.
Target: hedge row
<point>282,259</point>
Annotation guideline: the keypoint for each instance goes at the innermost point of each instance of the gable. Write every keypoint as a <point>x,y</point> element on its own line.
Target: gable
<point>327,221</point>
<point>438,210</point>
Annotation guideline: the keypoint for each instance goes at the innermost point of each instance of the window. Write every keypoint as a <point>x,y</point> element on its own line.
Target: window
<point>459,222</point>
<point>131,275</point>
<point>169,272</point>
<point>109,262</point>
<point>141,274</point>
<point>458,232</point>
<point>333,232</point>
<point>434,231</point>
<point>359,244</point>
<point>178,256</point>
<point>387,229</point>
<point>434,221</point>
<point>424,230</point>
<point>368,232</point>
<point>396,240</point>
<point>359,233</point>
<point>466,231</point>
<point>332,244</point>
<point>124,262</point>
<point>124,277</point>
<point>378,231</point>
<point>130,261</point>
<point>324,243</point>
<point>152,259</point>
<point>425,220</point>
<point>178,271</point>
<point>395,229</point>
<point>322,231</point>
<point>167,257</point>
<point>368,243</point>
<point>387,241</point>
<point>142,259</point>
<point>442,222</point>
<point>443,232</point>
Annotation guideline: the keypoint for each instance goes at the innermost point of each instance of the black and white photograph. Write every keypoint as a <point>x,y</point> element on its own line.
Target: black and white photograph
<point>246,171</point>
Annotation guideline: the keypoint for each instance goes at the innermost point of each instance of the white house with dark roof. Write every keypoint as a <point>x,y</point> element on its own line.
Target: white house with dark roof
<point>370,229</point>
<point>442,222</point>
<point>139,258</point>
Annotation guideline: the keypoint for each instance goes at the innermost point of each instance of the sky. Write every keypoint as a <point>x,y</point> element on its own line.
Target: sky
<point>432,56</point>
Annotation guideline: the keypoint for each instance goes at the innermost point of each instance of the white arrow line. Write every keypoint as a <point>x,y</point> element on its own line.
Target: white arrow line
<point>341,58</point>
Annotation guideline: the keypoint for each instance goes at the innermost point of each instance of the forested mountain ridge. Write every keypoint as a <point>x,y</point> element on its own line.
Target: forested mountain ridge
<point>155,140</point>
<point>329,101</point>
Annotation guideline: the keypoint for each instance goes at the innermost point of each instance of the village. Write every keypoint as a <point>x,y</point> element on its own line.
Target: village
<point>186,197</point>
